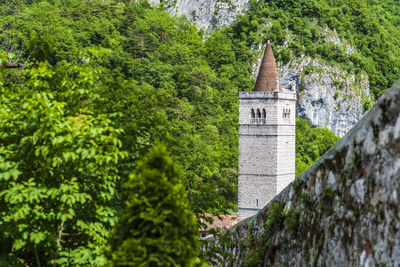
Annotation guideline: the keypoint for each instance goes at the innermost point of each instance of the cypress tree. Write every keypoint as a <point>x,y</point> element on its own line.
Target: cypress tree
<point>157,227</point>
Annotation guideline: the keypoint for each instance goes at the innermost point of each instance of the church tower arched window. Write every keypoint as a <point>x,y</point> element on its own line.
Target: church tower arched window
<point>264,116</point>
<point>258,116</point>
<point>253,116</point>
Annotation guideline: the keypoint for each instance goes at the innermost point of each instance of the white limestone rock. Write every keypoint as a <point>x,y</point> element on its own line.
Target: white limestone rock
<point>328,97</point>
<point>207,14</point>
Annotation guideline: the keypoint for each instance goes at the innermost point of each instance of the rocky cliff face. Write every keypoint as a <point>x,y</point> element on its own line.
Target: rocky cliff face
<point>328,96</point>
<point>343,211</point>
<point>207,14</point>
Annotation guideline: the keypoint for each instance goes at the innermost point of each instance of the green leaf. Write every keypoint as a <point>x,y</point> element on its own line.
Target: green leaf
<point>36,238</point>
<point>18,244</point>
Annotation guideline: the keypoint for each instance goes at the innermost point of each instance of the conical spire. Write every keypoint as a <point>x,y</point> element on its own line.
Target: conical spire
<point>268,77</point>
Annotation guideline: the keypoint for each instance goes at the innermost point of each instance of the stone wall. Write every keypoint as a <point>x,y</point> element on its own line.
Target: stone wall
<point>343,211</point>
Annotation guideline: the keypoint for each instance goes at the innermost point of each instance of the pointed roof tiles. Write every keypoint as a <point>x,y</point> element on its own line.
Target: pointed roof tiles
<point>268,73</point>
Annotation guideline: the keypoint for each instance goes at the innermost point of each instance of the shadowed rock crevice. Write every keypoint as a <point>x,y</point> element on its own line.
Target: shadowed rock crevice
<point>343,211</point>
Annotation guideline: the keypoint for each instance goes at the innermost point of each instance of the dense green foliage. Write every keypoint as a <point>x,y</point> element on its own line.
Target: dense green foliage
<point>104,80</point>
<point>57,182</point>
<point>387,10</point>
<point>152,74</point>
<point>157,227</point>
<point>311,144</point>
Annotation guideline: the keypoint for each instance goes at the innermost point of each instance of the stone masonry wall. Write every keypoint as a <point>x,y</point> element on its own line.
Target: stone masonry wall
<point>253,188</point>
<point>343,211</point>
<point>286,139</point>
<point>265,150</point>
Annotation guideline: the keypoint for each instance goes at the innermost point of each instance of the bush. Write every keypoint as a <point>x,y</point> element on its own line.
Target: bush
<point>279,33</point>
<point>367,105</point>
<point>336,95</point>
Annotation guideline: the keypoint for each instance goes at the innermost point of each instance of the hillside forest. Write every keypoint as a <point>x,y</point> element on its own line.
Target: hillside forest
<point>119,122</point>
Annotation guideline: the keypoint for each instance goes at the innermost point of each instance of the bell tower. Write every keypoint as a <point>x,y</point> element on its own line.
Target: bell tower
<point>267,128</point>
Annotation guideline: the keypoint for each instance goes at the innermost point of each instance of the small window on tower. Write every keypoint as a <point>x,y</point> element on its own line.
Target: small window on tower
<point>286,113</point>
<point>257,202</point>
<point>258,116</point>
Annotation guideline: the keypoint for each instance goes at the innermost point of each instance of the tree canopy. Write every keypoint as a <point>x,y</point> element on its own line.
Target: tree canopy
<point>58,181</point>
<point>311,144</point>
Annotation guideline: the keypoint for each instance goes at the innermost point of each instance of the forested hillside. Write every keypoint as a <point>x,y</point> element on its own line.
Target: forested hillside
<point>102,81</point>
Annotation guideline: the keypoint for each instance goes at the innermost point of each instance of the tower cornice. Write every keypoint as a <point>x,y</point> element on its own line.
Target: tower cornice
<point>268,95</point>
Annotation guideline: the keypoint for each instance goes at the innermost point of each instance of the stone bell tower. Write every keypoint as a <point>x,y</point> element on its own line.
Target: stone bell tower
<point>266,138</point>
